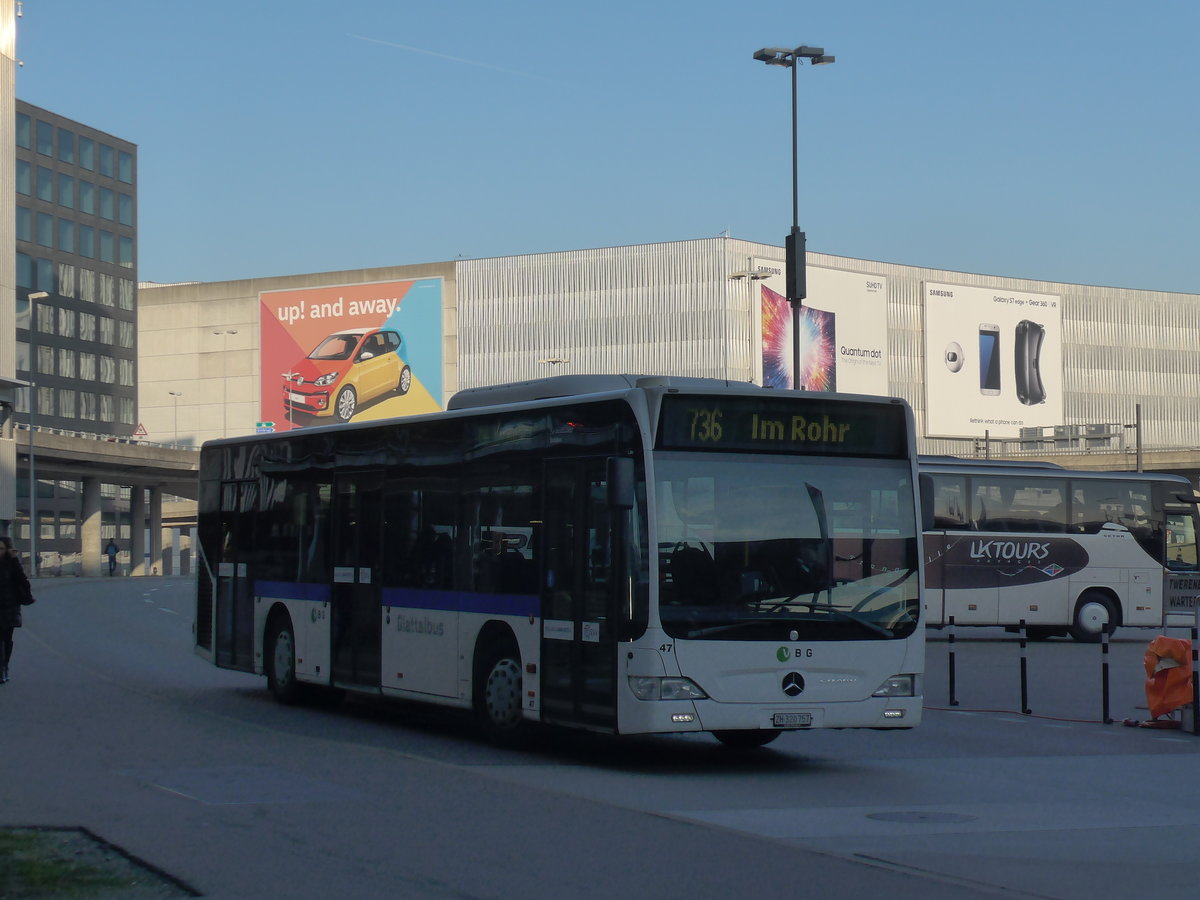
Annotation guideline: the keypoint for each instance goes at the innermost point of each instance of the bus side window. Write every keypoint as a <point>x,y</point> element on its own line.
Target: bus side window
<point>949,502</point>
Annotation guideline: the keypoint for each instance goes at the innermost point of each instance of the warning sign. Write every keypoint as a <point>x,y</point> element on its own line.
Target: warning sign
<point>140,431</point>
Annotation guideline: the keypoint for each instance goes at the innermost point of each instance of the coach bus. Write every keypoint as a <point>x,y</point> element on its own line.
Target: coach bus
<point>1066,551</point>
<point>624,554</point>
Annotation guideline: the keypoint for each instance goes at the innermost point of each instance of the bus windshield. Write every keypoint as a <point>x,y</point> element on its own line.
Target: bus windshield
<point>778,548</point>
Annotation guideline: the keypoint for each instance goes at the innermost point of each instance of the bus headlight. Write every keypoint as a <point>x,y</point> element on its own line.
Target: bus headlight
<point>646,687</point>
<point>898,686</point>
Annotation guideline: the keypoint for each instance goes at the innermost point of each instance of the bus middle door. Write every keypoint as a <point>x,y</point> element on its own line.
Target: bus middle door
<point>579,619</point>
<point>356,617</point>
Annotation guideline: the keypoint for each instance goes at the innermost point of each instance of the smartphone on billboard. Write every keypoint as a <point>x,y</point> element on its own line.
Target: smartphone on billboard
<point>989,359</point>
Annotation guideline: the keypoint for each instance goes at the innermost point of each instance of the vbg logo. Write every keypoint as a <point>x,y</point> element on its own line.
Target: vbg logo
<point>783,654</point>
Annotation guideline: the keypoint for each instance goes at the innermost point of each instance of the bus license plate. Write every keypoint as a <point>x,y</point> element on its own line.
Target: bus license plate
<point>791,720</point>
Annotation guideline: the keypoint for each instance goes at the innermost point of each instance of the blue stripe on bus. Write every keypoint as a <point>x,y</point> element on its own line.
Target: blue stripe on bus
<point>462,601</point>
<point>290,590</point>
<point>412,598</point>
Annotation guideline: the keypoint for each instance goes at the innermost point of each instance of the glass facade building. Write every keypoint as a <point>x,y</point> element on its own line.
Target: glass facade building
<point>76,275</point>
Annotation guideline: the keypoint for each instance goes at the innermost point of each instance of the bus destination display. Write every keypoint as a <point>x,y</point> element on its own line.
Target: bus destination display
<point>781,425</point>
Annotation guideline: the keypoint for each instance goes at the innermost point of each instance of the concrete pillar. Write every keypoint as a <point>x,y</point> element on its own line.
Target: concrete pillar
<point>137,530</point>
<point>156,531</point>
<point>89,529</point>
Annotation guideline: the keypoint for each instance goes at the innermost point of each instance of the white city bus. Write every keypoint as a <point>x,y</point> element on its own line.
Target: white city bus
<point>617,553</point>
<point>1066,551</point>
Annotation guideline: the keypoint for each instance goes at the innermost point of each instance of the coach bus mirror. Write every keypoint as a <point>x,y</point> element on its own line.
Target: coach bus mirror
<point>926,485</point>
<point>620,483</point>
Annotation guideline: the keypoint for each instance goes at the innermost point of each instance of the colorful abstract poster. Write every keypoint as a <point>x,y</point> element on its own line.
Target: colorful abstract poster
<point>843,330</point>
<point>818,346</point>
<point>351,352</point>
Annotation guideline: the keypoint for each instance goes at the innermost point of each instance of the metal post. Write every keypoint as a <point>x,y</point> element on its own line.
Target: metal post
<point>33,523</point>
<point>1025,710</point>
<point>950,647</point>
<point>1104,717</point>
<point>1196,672</point>
<point>1137,432</point>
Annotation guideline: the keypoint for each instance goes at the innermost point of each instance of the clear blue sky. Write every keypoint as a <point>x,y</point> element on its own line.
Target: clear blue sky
<point>1049,139</point>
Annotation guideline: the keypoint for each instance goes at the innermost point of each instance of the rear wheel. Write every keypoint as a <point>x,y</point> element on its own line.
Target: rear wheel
<point>498,693</point>
<point>280,652</point>
<point>746,738</point>
<point>1094,614</point>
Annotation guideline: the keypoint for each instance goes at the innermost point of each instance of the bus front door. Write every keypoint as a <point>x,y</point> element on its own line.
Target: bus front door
<point>356,624</point>
<point>579,619</point>
<point>234,598</point>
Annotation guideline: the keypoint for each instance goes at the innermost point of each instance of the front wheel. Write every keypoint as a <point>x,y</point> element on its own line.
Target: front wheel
<point>1094,614</point>
<point>280,652</point>
<point>498,694</point>
<point>746,738</point>
<point>346,404</point>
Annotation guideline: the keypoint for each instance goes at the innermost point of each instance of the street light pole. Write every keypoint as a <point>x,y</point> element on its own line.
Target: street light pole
<point>225,332</point>
<point>33,516</point>
<point>795,251</point>
<point>175,395</point>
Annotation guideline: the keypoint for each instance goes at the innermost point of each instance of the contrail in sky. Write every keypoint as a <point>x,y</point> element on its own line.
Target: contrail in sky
<point>457,59</point>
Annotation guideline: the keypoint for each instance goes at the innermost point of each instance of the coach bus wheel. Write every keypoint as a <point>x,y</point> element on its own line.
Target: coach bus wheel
<point>1094,613</point>
<point>346,404</point>
<point>746,738</point>
<point>280,651</point>
<point>405,382</point>
<point>498,694</point>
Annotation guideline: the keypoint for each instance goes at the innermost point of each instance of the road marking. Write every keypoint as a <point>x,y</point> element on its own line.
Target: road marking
<point>171,611</point>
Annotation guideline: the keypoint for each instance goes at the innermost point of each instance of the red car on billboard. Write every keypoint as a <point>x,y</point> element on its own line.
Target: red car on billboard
<point>347,369</point>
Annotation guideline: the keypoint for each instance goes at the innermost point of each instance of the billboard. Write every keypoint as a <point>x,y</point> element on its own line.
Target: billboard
<point>351,352</point>
<point>843,331</point>
<point>993,361</point>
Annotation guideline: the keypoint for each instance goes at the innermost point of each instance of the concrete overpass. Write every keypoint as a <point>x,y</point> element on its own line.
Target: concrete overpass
<point>94,460</point>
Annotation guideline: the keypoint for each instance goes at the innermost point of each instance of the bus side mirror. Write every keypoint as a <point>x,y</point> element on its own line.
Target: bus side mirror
<point>621,494</point>
<point>926,492</point>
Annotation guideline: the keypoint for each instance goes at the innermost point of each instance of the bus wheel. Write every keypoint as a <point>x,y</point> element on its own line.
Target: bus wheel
<point>498,694</point>
<point>405,382</point>
<point>1094,613</point>
<point>746,738</point>
<point>280,651</point>
<point>346,404</point>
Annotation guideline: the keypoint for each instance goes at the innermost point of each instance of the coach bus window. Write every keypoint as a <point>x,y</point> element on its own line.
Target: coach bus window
<point>1181,541</point>
<point>949,502</point>
<point>1016,504</point>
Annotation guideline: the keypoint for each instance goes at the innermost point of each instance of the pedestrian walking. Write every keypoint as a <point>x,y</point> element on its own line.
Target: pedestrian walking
<point>111,551</point>
<point>14,593</point>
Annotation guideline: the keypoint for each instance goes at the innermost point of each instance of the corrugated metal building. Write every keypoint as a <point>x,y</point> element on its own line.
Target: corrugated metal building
<point>695,308</point>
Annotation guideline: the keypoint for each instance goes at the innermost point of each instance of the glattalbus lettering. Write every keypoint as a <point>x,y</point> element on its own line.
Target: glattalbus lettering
<point>420,625</point>
<point>1010,551</point>
<point>798,429</point>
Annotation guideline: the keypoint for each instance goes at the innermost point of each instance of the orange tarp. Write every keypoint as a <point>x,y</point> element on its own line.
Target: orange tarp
<point>1168,675</point>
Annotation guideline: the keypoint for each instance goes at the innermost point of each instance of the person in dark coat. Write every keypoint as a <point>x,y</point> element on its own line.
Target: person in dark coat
<point>14,593</point>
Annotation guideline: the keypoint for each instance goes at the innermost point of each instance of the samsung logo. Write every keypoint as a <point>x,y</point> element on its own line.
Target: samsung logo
<point>937,293</point>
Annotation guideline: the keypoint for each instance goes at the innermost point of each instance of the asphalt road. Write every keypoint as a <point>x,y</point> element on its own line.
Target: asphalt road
<point>111,723</point>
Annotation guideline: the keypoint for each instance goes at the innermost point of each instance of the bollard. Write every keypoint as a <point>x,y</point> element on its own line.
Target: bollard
<point>1025,710</point>
<point>1104,716</point>
<point>950,657</point>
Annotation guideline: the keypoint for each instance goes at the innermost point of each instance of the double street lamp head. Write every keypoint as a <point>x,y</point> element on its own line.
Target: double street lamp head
<point>783,56</point>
